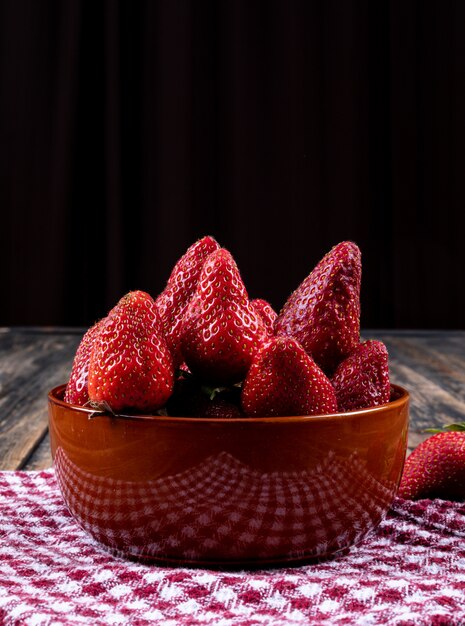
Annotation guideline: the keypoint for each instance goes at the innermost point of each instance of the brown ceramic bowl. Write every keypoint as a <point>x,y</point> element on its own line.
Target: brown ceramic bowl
<point>229,492</point>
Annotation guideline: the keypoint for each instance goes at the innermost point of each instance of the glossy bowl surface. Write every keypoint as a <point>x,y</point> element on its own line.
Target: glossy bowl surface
<point>229,492</point>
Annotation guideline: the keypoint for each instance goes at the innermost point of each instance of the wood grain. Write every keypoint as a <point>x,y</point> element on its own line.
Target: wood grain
<point>40,458</point>
<point>431,364</point>
<point>31,363</point>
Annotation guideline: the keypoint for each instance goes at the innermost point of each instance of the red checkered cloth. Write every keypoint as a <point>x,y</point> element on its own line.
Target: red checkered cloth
<point>223,502</point>
<point>410,571</point>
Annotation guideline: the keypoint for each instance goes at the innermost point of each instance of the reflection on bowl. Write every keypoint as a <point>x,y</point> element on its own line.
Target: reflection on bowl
<point>219,492</point>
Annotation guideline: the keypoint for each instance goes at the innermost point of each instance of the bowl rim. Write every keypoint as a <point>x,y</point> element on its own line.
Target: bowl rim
<point>330,417</point>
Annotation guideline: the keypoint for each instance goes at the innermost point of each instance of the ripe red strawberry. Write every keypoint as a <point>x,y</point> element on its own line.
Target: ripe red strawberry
<point>221,331</point>
<point>222,408</point>
<point>174,299</point>
<point>362,379</point>
<point>76,389</point>
<point>436,469</point>
<point>267,313</point>
<point>131,366</point>
<point>284,380</point>
<point>323,313</point>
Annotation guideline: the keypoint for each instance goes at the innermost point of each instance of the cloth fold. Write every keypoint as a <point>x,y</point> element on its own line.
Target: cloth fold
<point>411,570</point>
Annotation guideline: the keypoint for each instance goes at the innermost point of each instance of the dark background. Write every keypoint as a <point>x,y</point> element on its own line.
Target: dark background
<point>128,130</point>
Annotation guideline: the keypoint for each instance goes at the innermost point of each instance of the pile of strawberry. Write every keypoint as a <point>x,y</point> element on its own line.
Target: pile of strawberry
<point>203,348</point>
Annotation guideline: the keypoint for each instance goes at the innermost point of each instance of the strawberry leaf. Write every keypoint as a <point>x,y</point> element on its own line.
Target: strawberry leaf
<point>211,392</point>
<point>457,427</point>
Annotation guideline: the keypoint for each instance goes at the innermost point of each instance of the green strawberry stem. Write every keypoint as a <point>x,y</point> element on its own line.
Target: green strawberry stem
<point>212,392</point>
<point>457,427</point>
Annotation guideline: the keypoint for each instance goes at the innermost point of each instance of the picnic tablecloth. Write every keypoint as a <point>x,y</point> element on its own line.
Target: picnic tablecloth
<point>411,570</point>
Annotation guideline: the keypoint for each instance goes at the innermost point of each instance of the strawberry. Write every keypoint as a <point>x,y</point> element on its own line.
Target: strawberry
<point>323,313</point>
<point>436,469</point>
<point>222,407</point>
<point>130,365</point>
<point>174,299</point>
<point>362,379</point>
<point>267,313</point>
<point>76,389</point>
<point>191,399</point>
<point>285,380</point>
<point>221,330</point>
<point>183,369</point>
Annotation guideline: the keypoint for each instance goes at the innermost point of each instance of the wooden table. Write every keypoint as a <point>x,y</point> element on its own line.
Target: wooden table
<point>431,364</point>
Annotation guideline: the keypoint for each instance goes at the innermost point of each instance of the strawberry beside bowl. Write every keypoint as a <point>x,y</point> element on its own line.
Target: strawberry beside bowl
<point>244,492</point>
